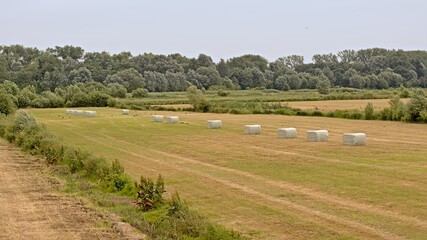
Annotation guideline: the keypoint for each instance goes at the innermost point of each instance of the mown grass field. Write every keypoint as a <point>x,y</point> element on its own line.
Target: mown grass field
<point>266,187</point>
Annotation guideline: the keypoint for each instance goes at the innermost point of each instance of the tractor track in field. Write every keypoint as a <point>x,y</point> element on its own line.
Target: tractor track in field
<point>338,221</point>
<point>304,153</point>
<point>292,187</point>
<point>31,208</point>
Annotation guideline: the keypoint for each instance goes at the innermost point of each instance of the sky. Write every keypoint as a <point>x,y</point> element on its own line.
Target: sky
<point>220,28</point>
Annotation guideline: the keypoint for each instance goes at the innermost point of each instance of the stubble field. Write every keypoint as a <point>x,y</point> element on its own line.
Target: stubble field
<point>267,187</point>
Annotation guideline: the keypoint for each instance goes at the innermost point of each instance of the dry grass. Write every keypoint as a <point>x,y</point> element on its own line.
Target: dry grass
<point>268,187</point>
<point>333,105</point>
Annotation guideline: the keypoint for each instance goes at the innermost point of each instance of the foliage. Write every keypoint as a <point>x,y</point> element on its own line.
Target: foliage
<point>323,85</point>
<point>196,98</point>
<point>61,66</point>
<point>149,192</point>
<point>140,93</point>
<point>6,104</point>
<point>369,111</point>
<point>416,106</point>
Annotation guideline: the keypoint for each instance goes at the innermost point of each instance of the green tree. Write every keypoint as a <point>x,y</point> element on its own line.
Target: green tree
<point>416,105</point>
<point>140,93</point>
<point>357,81</point>
<point>6,104</point>
<point>81,75</point>
<point>323,85</point>
<point>369,111</point>
<point>197,99</point>
<point>293,61</point>
<point>132,79</point>
<point>392,79</point>
<point>5,74</point>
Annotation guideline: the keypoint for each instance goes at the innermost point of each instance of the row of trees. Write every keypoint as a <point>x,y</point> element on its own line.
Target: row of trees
<point>63,66</point>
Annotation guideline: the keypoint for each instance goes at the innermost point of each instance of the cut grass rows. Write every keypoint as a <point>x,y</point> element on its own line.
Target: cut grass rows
<point>366,201</point>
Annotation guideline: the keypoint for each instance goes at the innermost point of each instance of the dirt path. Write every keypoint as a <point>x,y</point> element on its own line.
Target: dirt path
<point>30,208</point>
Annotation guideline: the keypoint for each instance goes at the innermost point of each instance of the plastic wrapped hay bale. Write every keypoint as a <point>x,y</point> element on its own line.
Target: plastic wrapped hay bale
<point>78,112</point>
<point>67,111</point>
<point>125,111</point>
<point>287,133</point>
<point>91,113</point>
<point>317,136</point>
<point>157,118</point>
<point>172,119</point>
<point>354,139</point>
<point>252,129</point>
<point>212,124</point>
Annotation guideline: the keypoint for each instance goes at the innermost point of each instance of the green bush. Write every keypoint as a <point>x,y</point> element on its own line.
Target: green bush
<point>149,192</point>
<point>223,93</point>
<point>6,104</point>
<point>140,93</point>
<point>98,99</point>
<point>369,111</point>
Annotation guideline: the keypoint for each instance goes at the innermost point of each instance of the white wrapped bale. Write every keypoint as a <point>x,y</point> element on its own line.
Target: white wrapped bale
<point>317,136</point>
<point>68,111</point>
<point>78,112</point>
<point>89,113</point>
<point>157,118</point>
<point>72,112</point>
<point>172,119</point>
<point>125,111</point>
<point>354,139</point>
<point>252,129</point>
<point>287,133</point>
<point>212,124</point>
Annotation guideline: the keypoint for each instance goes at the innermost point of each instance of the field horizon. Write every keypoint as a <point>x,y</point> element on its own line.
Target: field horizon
<point>267,187</point>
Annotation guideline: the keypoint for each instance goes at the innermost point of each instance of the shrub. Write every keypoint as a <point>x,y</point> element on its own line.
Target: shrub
<point>140,93</point>
<point>6,104</point>
<point>416,105</point>
<point>98,99</point>
<point>369,111</point>
<point>197,99</point>
<point>80,99</point>
<point>149,192</point>
<point>223,93</point>
<point>112,102</point>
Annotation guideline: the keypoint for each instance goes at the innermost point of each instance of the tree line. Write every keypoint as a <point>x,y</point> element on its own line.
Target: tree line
<point>60,67</point>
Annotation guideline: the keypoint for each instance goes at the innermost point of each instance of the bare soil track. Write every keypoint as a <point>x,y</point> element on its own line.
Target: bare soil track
<point>31,208</point>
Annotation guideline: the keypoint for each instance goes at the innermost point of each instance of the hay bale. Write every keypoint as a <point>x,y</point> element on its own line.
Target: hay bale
<point>287,133</point>
<point>212,124</point>
<point>78,112</point>
<point>157,118</point>
<point>252,129</point>
<point>317,136</point>
<point>354,139</point>
<point>172,119</point>
<point>125,111</point>
<point>89,113</point>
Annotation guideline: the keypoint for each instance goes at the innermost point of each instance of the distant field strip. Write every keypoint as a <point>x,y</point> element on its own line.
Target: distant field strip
<point>332,105</point>
<point>267,187</point>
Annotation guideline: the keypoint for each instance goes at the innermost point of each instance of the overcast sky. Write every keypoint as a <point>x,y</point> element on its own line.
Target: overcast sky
<point>219,28</point>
